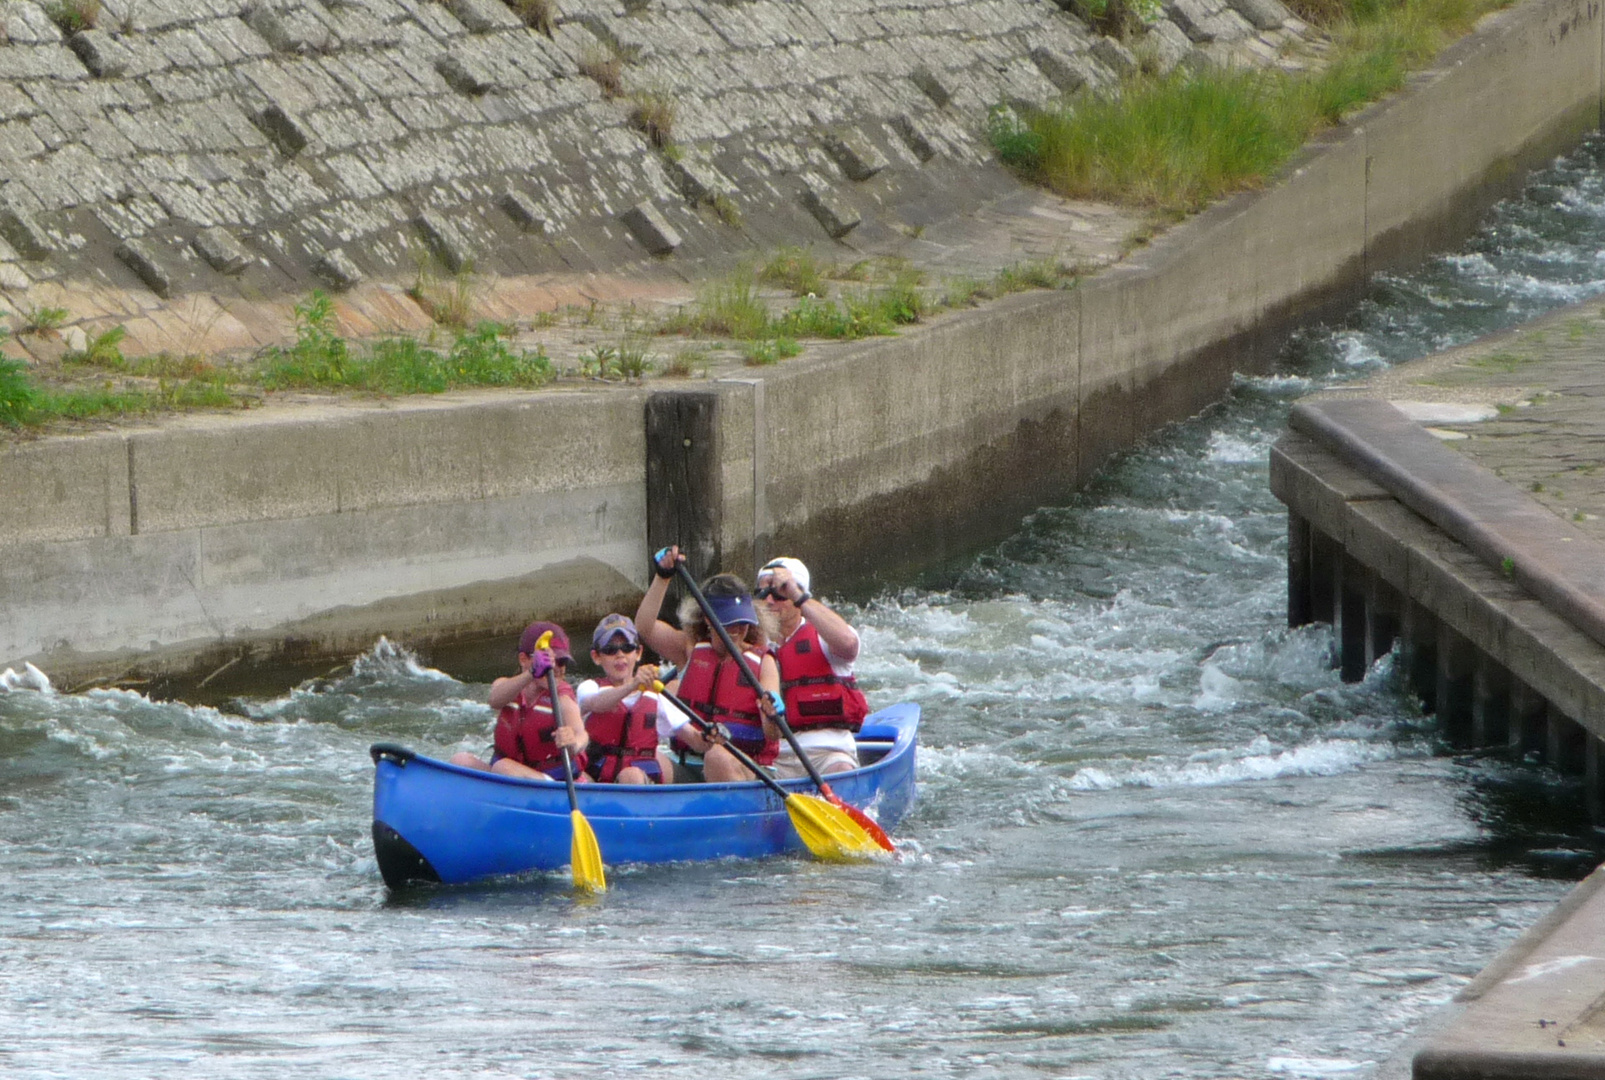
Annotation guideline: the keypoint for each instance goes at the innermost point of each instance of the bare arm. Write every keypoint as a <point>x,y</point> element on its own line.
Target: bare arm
<point>505,691</point>
<point>769,679</point>
<point>662,638</point>
<point>572,732</point>
<point>833,630</point>
<point>841,639</point>
<point>609,698</point>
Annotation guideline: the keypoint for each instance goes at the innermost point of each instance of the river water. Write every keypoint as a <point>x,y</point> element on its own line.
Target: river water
<point>1156,835</point>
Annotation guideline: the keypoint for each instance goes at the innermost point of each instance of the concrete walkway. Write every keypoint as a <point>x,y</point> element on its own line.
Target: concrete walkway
<point>1514,475</point>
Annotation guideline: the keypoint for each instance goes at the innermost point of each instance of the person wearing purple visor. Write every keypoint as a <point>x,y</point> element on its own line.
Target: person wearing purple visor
<point>710,682</point>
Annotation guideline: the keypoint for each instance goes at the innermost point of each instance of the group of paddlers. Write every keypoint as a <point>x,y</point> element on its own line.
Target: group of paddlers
<point>641,724</point>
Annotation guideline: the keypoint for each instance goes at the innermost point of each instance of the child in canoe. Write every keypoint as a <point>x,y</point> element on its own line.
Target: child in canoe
<point>623,717</point>
<point>709,681</point>
<point>529,737</point>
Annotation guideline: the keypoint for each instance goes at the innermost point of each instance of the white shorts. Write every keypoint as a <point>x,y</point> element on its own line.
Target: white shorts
<point>787,767</point>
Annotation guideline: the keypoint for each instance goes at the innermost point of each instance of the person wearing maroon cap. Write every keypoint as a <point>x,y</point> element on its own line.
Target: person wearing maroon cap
<point>529,737</point>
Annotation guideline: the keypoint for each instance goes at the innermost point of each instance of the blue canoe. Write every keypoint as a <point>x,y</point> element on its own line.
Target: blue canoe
<point>433,821</point>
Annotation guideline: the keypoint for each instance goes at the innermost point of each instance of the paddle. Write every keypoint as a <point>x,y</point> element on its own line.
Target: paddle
<point>585,858</point>
<point>863,820</point>
<point>827,832</point>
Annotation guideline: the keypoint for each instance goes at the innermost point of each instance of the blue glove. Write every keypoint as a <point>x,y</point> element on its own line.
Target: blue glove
<point>657,564</point>
<point>776,701</point>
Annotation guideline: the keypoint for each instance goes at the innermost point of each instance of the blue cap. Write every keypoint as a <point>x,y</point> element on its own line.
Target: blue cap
<point>730,610</point>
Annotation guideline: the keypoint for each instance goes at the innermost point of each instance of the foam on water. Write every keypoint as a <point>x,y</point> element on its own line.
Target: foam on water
<point>1157,835</point>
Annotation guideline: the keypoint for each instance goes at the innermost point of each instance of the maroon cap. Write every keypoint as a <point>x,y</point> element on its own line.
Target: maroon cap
<point>532,633</point>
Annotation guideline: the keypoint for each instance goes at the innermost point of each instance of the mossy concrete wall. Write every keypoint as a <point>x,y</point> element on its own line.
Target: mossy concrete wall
<point>316,530</point>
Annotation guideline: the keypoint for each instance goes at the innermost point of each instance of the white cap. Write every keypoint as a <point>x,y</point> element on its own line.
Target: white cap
<point>799,572</point>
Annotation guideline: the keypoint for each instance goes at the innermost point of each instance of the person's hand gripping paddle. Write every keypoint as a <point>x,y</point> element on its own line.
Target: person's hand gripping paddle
<point>585,860</point>
<point>825,830</point>
<point>872,832</point>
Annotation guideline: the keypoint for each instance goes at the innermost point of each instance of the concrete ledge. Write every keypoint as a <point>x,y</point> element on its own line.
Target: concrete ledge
<point>1555,561</point>
<point>1537,1012</point>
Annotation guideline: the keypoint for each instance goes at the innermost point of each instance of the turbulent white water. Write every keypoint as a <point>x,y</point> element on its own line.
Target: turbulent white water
<point>1156,836</point>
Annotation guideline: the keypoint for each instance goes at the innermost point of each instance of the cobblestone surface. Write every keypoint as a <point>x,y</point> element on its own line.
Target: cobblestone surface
<point>335,142</point>
<point>1545,384</point>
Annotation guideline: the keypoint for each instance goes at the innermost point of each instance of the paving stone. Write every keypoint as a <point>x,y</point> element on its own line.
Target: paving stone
<point>105,57</point>
<point>1262,14</point>
<point>464,74</point>
<point>697,180</point>
<point>1170,43</point>
<point>1201,20</point>
<point>283,129</point>
<point>649,227</point>
<point>857,157</point>
<point>912,132</point>
<point>524,211</point>
<point>140,257</point>
<point>1114,56</point>
<point>835,216</point>
<point>337,270</point>
<point>1066,71</point>
<point>221,251</point>
<point>443,241</point>
<point>21,229</point>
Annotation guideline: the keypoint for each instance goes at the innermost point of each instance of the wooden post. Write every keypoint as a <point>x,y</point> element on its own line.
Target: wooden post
<point>1351,626</point>
<point>1420,633</point>
<point>1528,726</point>
<point>1490,703</point>
<point>1382,602</point>
<point>1300,601</point>
<point>684,489</point>
<point>1452,696</point>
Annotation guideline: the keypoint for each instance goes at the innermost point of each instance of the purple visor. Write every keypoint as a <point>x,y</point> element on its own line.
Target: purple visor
<point>730,610</point>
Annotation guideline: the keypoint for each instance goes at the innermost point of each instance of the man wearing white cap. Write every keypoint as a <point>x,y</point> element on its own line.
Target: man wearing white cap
<point>816,653</point>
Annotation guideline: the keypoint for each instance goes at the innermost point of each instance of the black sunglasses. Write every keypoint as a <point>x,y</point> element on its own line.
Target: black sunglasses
<point>766,592</point>
<point>614,650</point>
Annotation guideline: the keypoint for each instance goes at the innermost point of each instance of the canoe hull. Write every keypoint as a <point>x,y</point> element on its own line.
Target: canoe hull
<point>434,821</point>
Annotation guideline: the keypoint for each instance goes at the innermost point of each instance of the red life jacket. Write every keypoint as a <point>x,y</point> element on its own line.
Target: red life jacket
<point>815,696</point>
<point>623,736</point>
<point>713,686</point>
<point>524,728</point>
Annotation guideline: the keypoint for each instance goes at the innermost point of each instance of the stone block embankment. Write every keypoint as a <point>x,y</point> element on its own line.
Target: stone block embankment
<point>260,530</point>
<point>241,148</point>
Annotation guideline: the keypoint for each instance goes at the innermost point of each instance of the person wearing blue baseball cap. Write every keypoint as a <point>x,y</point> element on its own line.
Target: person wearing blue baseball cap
<point>710,682</point>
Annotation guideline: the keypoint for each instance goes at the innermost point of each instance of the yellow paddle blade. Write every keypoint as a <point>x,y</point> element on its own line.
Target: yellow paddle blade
<point>828,832</point>
<point>586,859</point>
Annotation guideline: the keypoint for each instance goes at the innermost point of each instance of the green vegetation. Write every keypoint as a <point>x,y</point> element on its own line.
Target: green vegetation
<point>71,16</point>
<point>1177,142</point>
<point>625,361</point>
<point>1507,566</point>
<point>796,270</point>
<point>652,114</point>
<point>686,362</point>
<point>40,320</point>
<point>761,353</point>
<point>321,358</point>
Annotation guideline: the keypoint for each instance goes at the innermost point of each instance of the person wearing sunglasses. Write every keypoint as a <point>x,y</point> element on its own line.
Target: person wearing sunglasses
<point>530,735</point>
<point>710,682</point>
<point>622,715</point>
<point>815,653</point>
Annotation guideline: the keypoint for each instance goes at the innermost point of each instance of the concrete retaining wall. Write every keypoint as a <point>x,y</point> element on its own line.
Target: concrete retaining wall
<point>317,529</point>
